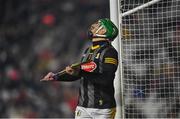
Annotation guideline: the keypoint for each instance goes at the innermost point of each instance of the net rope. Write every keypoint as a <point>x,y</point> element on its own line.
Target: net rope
<point>151,59</point>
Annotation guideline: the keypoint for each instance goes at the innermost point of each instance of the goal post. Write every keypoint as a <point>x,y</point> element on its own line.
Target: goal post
<point>149,56</point>
<point>116,17</point>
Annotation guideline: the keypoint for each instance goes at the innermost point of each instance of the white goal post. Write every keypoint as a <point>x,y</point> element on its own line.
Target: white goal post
<point>116,16</point>
<point>147,82</point>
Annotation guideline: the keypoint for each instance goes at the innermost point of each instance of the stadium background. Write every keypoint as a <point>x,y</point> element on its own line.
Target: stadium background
<point>38,36</point>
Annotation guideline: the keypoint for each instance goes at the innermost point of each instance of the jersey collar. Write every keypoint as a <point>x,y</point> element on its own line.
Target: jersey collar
<point>95,47</point>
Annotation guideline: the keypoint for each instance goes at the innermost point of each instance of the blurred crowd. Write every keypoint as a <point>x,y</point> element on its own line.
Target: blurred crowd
<point>38,36</point>
<point>151,43</point>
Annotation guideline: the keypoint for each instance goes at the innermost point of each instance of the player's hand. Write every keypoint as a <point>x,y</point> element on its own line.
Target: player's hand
<point>48,77</point>
<point>72,71</point>
<point>69,70</point>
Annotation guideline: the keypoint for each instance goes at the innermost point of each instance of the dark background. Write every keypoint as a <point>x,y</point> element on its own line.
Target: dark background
<point>38,36</point>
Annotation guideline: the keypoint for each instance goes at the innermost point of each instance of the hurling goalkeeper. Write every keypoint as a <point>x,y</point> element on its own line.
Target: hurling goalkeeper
<point>96,73</point>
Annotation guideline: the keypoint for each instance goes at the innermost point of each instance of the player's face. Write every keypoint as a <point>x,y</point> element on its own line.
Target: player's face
<point>94,26</point>
<point>97,29</point>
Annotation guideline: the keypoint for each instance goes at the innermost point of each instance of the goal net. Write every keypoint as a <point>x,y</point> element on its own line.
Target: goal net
<point>151,58</point>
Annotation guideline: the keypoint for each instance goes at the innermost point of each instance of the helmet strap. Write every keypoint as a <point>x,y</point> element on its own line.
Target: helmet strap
<point>99,29</point>
<point>99,36</point>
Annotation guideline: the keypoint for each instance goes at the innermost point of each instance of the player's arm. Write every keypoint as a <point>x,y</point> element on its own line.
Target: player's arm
<point>110,61</point>
<point>70,74</point>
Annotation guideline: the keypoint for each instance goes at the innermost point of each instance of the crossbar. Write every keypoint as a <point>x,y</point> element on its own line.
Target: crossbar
<point>140,7</point>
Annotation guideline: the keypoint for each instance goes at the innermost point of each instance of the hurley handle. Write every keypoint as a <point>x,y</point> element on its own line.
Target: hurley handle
<point>75,65</point>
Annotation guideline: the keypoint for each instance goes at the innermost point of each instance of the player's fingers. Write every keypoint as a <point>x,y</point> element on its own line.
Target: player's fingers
<point>48,77</point>
<point>43,79</point>
<point>69,69</point>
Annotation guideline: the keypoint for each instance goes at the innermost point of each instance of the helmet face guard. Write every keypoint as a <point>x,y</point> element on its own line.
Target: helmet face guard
<point>111,30</point>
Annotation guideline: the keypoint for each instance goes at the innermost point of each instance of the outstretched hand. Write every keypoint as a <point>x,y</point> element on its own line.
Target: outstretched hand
<point>48,77</point>
<point>71,70</point>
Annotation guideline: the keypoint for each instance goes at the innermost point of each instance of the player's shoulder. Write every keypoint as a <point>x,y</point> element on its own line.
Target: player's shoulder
<point>111,49</point>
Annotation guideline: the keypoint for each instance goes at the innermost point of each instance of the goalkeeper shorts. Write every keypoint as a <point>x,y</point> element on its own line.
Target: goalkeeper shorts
<point>93,113</point>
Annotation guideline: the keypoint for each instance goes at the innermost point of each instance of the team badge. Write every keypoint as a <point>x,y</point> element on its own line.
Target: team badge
<point>97,56</point>
<point>89,67</point>
<point>100,102</point>
<point>78,113</point>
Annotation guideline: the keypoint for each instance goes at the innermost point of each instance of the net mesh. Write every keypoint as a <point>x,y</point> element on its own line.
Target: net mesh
<point>151,59</point>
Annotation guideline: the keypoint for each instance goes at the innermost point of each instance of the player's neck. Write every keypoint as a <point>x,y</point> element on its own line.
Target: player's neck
<point>98,39</point>
<point>100,42</point>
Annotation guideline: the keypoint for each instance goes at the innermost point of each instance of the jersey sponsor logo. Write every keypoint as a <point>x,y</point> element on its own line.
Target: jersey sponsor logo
<point>89,67</point>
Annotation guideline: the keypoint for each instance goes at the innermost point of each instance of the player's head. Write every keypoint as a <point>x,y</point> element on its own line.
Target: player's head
<point>103,28</point>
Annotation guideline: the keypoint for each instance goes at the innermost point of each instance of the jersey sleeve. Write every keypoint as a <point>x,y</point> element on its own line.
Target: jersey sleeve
<point>66,77</point>
<point>110,61</point>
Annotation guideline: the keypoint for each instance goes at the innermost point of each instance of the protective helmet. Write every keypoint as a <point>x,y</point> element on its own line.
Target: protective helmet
<point>111,30</point>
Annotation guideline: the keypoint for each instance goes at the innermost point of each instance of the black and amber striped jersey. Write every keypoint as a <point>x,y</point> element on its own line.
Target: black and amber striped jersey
<point>97,76</point>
